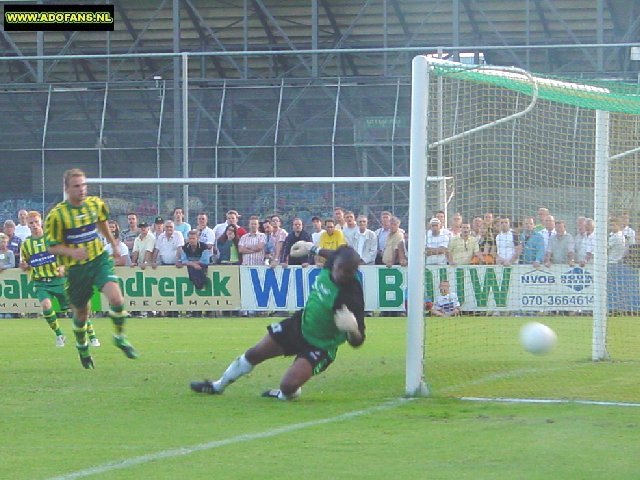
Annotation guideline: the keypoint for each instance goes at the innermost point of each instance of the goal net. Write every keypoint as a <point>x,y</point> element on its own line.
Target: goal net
<point>546,172</point>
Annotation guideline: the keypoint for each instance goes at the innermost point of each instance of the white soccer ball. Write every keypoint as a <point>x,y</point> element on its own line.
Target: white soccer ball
<point>537,338</point>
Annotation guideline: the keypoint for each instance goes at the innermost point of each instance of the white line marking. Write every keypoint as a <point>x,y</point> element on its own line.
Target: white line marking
<point>178,452</point>
<point>550,400</point>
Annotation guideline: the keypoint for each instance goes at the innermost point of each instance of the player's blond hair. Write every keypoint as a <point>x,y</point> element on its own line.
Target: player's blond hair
<point>72,173</point>
<point>35,214</point>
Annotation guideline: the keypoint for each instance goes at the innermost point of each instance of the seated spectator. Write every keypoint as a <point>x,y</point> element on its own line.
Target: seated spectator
<point>227,245</point>
<point>464,248</point>
<point>7,258</point>
<point>446,303</point>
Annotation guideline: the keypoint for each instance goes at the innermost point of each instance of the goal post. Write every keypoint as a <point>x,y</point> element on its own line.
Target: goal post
<point>517,143</point>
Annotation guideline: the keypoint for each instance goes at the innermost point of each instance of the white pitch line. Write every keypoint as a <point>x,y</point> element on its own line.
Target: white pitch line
<point>550,400</point>
<point>178,452</point>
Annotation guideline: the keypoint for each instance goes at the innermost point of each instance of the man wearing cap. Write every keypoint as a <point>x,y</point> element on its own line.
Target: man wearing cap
<point>158,227</point>
<point>143,246</point>
<point>437,243</point>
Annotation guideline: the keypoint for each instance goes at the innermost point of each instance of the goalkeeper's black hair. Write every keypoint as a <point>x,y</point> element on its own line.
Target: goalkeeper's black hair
<point>347,254</point>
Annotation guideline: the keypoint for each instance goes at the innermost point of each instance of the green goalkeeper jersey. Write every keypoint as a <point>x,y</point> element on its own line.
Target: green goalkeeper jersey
<point>318,326</point>
<point>43,263</point>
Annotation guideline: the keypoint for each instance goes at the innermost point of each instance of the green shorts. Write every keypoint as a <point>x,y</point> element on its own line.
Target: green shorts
<point>50,288</point>
<point>82,278</point>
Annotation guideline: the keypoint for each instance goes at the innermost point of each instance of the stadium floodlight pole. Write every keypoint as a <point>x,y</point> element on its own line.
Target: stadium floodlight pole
<point>185,132</point>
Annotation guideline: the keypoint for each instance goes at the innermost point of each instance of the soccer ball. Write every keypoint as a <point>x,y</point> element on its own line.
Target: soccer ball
<point>537,338</point>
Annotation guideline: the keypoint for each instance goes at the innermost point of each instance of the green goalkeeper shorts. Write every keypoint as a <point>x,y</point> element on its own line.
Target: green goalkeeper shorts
<point>50,288</point>
<point>82,278</point>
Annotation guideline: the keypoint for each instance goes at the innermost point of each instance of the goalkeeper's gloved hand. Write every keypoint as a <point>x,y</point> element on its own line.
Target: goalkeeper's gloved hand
<point>301,249</point>
<point>345,320</point>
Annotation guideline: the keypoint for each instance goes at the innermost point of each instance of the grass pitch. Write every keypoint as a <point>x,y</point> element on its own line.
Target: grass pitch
<point>137,419</point>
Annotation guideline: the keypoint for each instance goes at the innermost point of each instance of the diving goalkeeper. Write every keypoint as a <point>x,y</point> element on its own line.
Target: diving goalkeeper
<point>333,314</point>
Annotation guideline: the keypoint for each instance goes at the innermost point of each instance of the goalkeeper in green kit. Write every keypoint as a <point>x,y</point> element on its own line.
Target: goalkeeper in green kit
<point>333,314</point>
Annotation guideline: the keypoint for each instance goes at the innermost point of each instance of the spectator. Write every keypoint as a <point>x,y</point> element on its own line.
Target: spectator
<point>252,244</point>
<point>168,247</point>
<point>532,244</point>
<point>195,256</point>
<point>548,231</point>
<point>232,217</point>
<point>130,234</point>
<point>463,249</point>
<point>331,239</point>
<point>507,244</point>
<point>616,246</point>
<point>143,247</point>
<point>22,229</point>
<point>338,218</point>
<point>585,242</point>
<point>227,245</point>
<point>382,233</point>
<point>490,223</point>
<point>487,245</point>
<point>178,221</point>
<point>440,215</point>
<point>628,232</point>
<point>390,254</point>
<point>437,243</point>
<point>365,242</point>
<point>123,259</point>
<point>543,213</point>
<point>269,246</point>
<point>561,246</point>
<point>7,258</point>
<point>13,241</point>
<point>158,227</point>
<point>350,228</point>
<point>446,303</point>
<point>476,225</point>
<point>206,235</point>
<point>278,235</point>
<point>317,230</point>
<point>297,234</point>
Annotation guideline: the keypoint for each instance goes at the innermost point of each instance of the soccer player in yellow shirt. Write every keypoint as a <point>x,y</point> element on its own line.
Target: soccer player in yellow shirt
<point>48,278</point>
<point>72,229</point>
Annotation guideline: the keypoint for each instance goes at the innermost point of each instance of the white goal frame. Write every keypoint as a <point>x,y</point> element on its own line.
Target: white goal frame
<point>416,383</point>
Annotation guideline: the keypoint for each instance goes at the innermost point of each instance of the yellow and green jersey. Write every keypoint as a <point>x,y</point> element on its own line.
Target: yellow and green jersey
<point>77,227</point>
<point>42,262</point>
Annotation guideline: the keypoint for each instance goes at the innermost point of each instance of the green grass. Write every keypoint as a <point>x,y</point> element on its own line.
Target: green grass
<point>58,418</point>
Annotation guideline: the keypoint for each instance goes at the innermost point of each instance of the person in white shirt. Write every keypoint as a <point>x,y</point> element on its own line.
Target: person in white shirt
<point>143,246</point>
<point>549,230</point>
<point>22,229</point>
<point>628,232</point>
<point>616,247</point>
<point>207,235</point>
<point>350,228</point>
<point>317,230</point>
<point>446,303</point>
<point>585,242</point>
<point>507,244</point>
<point>364,241</point>
<point>123,259</point>
<point>437,243</point>
<point>251,244</point>
<point>168,248</point>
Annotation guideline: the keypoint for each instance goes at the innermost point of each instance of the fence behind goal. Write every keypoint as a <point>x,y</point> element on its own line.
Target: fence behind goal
<point>540,162</point>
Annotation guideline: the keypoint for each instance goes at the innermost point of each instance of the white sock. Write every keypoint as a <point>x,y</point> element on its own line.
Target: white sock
<point>239,367</point>
<point>293,396</point>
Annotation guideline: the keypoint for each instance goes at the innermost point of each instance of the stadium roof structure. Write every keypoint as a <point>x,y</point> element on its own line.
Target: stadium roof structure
<point>549,36</point>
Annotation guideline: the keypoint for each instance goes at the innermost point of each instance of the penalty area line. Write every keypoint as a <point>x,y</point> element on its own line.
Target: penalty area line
<point>179,452</point>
